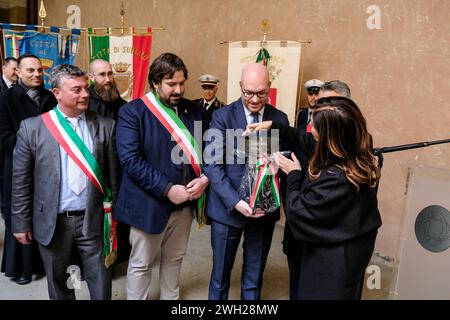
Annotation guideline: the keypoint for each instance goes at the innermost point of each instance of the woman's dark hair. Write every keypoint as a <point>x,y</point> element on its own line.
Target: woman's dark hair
<point>343,141</point>
<point>165,65</point>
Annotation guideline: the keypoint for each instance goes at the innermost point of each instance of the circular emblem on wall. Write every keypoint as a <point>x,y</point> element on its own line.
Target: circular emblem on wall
<point>432,228</point>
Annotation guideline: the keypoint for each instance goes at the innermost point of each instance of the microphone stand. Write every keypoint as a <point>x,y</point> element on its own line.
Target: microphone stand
<point>379,151</point>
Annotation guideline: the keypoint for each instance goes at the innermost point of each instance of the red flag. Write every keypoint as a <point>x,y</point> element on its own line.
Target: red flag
<point>142,45</point>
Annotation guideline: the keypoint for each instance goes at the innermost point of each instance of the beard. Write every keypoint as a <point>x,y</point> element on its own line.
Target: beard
<point>166,99</point>
<point>169,102</point>
<point>108,93</point>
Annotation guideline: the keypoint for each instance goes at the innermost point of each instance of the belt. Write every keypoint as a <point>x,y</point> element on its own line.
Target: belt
<point>76,213</point>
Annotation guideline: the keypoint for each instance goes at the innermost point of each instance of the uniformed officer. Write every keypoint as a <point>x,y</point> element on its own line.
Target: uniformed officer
<point>209,101</point>
<point>312,87</point>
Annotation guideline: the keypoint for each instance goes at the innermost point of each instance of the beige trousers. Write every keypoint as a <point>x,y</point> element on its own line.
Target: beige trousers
<point>144,249</point>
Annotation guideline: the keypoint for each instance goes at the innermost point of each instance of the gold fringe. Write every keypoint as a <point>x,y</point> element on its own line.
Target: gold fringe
<point>110,258</point>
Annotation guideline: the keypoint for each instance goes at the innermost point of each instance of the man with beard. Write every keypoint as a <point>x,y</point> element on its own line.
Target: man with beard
<point>28,98</point>
<point>159,189</point>
<point>104,96</point>
<point>105,100</point>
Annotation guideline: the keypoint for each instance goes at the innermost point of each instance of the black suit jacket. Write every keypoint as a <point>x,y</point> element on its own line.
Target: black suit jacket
<point>302,119</point>
<point>216,105</point>
<point>16,106</point>
<point>105,109</point>
<point>3,86</point>
<point>336,227</point>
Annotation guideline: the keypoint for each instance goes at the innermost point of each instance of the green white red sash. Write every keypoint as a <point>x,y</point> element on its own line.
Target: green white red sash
<point>74,146</point>
<point>265,170</point>
<point>181,135</point>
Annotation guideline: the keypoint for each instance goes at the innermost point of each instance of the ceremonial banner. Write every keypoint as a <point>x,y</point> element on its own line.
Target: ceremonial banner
<point>283,65</point>
<point>52,48</point>
<point>129,56</point>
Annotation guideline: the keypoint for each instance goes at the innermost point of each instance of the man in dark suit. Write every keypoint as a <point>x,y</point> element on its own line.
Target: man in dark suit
<point>230,215</point>
<point>159,187</point>
<point>9,74</point>
<point>209,102</point>
<point>54,202</point>
<point>104,97</point>
<point>7,80</point>
<point>28,98</point>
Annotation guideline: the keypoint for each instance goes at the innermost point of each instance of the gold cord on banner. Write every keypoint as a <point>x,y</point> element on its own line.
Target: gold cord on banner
<point>122,19</point>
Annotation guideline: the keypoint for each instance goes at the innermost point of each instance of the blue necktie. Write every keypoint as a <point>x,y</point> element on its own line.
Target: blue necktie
<point>255,116</point>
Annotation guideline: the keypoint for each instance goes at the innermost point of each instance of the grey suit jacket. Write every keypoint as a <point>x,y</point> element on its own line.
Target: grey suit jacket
<point>37,175</point>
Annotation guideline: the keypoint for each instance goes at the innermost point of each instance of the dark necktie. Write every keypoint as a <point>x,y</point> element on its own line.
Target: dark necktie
<point>34,94</point>
<point>309,124</point>
<point>206,105</point>
<point>255,116</point>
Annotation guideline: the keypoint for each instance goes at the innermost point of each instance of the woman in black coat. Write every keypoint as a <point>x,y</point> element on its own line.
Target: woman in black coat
<point>334,213</point>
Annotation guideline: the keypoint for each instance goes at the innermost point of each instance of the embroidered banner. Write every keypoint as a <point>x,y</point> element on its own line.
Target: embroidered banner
<point>283,64</point>
<point>129,56</point>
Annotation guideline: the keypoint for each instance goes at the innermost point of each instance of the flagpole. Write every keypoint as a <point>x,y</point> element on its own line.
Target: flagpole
<point>300,83</point>
<point>42,15</point>
<point>161,28</point>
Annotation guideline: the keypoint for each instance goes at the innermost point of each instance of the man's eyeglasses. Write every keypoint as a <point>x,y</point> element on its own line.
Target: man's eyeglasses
<point>249,94</point>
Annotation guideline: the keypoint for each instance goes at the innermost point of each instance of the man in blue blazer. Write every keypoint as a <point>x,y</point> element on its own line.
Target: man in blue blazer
<point>230,216</point>
<point>158,191</point>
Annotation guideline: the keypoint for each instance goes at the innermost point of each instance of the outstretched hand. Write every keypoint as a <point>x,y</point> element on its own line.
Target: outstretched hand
<point>264,125</point>
<point>285,164</point>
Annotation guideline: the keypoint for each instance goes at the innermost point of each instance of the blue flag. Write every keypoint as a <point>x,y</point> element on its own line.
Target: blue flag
<point>52,48</point>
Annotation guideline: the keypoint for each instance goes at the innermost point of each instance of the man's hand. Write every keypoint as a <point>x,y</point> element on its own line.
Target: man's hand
<point>197,186</point>
<point>24,237</point>
<point>244,208</point>
<point>178,194</point>
<point>264,125</point>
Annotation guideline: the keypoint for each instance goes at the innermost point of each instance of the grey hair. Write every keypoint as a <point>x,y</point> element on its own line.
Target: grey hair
<point>338,86</point>
<point>65,70</point>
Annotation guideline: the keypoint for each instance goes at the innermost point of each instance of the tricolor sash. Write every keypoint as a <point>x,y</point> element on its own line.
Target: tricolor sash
<point>265,170</point>
<point>69,140</point>
<point>181,135</point>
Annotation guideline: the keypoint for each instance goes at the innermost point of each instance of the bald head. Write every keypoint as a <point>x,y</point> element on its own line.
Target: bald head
<point>98,63</point>
<point>255,71</point>
<point>255,86</point>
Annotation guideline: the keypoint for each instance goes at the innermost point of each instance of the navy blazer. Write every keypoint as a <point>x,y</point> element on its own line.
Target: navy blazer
<point>145,147</point>
<point>225,179</point>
